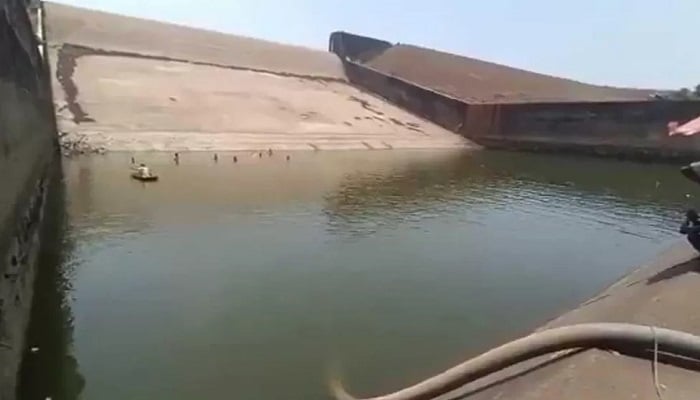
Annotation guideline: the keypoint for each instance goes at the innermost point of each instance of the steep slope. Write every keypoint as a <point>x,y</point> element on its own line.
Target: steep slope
<point>130,84</point>
<point>479,81</point>
<point>113,32</point>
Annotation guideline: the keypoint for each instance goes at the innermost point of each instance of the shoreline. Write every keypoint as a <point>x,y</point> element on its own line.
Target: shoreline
<point>75,144</point>
<point>660,293</point>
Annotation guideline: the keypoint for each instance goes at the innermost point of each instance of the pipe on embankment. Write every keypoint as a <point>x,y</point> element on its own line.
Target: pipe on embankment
<point>609,336</point>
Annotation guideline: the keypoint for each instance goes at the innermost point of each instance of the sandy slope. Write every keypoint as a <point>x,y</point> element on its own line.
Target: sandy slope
<point>130,84</point>
<point>483,82</point>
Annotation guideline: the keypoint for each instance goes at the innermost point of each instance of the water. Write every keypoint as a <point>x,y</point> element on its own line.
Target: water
<point>255,280</point>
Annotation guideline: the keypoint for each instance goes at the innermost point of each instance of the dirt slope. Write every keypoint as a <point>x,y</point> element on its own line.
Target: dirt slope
<point>114,32</point>
<point>128,84</point>
<point>484,82</point>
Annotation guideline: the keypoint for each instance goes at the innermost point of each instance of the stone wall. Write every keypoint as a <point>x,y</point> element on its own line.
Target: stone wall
<point>634,129</point>
<point>27,149</point>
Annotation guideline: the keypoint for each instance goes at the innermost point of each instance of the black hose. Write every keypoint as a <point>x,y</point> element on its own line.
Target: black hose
<point>611,336</point>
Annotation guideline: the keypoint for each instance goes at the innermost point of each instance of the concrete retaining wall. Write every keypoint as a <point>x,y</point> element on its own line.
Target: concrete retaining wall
<point>630,129</point>
<point>440,109</point>
<point>634,129</point>
<point>27,148</point>
<point>356,47</point>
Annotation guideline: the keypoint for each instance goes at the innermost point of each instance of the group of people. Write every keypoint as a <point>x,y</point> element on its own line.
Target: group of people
<point>143,171</point>
<point>176,157</point>
<point>690,227</point>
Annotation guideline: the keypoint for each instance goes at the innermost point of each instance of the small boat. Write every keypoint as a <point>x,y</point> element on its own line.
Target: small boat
<point>138,177</point>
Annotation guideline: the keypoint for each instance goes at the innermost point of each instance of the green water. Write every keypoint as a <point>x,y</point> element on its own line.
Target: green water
<point>253,280</point>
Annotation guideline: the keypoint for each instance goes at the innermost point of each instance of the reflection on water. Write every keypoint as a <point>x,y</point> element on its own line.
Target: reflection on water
<point>248,280</point>
<point>51,370</point>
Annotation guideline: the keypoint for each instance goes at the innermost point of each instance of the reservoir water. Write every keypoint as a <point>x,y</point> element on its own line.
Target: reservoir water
<point>258,279</point>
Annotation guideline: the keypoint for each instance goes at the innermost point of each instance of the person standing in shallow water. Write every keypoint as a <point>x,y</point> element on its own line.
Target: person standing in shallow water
<point>691,228</point>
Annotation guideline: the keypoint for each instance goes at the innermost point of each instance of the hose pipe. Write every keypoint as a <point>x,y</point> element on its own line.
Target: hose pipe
<point>609,336</point>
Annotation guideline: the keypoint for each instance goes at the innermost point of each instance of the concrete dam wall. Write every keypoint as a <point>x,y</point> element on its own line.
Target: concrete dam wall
<point>356,47</point>
<point>128,84</point>
<point>132,85</point>
<point>502,107</point>
<point>27,148</point>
